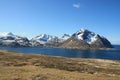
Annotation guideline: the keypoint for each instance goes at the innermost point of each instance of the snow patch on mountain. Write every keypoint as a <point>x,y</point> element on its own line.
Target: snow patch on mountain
<point>8,37</point>
<point>3,34</point>
<point>44,38</point>
<point>65,37</point>
<point>84,34</point>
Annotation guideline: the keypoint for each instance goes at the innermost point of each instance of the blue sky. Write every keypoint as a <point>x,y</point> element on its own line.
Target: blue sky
<point>56,17</point>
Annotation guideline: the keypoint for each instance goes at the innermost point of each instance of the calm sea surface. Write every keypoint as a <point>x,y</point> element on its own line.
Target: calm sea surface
<point>70,53</point>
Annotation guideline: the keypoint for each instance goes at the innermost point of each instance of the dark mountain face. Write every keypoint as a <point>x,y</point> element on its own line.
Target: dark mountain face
<point>101,42</point>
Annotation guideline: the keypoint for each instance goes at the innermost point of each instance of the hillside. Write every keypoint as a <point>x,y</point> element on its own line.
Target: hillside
<point>19,66</point>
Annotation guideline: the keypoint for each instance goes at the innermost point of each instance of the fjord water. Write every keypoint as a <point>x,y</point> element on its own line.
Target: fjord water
<point>70,53</point>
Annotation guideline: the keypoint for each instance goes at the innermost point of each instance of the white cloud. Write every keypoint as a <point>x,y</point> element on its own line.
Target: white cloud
<point>76,5</point>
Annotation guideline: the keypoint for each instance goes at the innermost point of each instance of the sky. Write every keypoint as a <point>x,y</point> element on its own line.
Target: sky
<point>57,17</point>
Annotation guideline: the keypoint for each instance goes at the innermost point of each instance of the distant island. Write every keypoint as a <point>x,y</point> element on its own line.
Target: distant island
<point>82,39</point>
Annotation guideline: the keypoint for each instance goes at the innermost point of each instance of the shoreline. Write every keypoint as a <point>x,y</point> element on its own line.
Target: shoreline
<point>64,47</point>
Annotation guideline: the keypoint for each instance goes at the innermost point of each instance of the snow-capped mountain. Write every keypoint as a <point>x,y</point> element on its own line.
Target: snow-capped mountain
<point>64,37</point>
<point>84,34</point>
<point>6,34</point>
<point>86,39</point>
<point>42,39</point>
<point>82,39</point>
<point>88,36</point>
<point>9,39</point>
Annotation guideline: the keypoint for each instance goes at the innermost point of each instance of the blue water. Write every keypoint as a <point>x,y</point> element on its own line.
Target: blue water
<point>70,53</point>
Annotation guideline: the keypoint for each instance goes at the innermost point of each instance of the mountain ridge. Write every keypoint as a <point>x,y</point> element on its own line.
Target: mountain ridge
<point>82,39</point>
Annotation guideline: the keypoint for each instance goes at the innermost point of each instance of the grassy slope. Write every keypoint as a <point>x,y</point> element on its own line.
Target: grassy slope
<point>16,66</point>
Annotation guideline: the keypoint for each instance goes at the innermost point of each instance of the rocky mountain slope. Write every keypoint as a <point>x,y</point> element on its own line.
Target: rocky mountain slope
<point>85,39</point>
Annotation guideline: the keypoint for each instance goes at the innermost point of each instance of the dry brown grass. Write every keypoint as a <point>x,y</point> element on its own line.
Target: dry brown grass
<point>39,73</point>
<point>16,66</point>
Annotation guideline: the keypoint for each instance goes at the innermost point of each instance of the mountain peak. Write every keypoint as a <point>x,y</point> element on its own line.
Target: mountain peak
<point>6,34</point>
<point>84,34</point>
<point>83,30</point>
<point>10,33</point>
